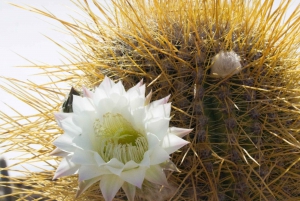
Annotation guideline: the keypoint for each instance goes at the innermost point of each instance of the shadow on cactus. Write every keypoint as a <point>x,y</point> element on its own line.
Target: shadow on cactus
<point>232,71</point>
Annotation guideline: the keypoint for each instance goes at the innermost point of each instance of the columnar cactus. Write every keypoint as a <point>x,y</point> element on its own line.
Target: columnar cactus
<point>232,71</point>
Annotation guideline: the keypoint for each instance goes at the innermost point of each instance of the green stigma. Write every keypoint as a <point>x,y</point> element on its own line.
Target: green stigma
<point>119,139</point>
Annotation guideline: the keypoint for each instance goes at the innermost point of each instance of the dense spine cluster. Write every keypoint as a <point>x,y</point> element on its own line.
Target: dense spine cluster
<point>241,119</point>
<point>245,144</point>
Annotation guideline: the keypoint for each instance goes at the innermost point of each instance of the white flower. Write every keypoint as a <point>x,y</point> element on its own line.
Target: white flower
<point>225,63</point>
<point>118,138</point>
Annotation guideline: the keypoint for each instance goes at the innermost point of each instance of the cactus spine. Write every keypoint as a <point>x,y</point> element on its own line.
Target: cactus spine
<point>245,144</point>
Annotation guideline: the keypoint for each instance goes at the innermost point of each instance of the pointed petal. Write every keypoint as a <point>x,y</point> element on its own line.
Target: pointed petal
<point>105,105</point>
<point>118,89</point>
<point>156,175</point>
<point>158,127</point>
<point>137,103</point>
<point>99,94</point>
<point>134,176</point>
<point>121,103</point>
<point>59,116</point>
<point>87,93</point>
<point>81,104</point>
<point>106,84</point>
<point>153,140</point>
<point>160,101</point>
<point>59,152</point>
<point>87,172</point>
<point>85,185</point>
<point>69,126</point>
<point>64,142</point>
<point>129,191</point>
<point>65,168</point>
<point>99,160</point>
<point>137,117</point>
<point>83,157</point>
<point>109,185</point>
<point>146,160</point>
<point>115,166</point>
<point>83,142</point>
<point>158,156</point>
<point>130,165</point>
<point>161,111</point>
<point>180,132</point>
<point>137,87</point>
<point>148,98</point>
<point>169,165</point>
<point>137,91</point>
<point>172,143</point>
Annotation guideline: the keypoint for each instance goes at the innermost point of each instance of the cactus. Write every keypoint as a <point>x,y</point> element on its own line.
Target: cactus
<point>6,189</point>
<point>232,71</point>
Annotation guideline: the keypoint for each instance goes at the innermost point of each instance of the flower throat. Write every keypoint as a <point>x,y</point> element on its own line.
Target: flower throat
<point>118,139</point>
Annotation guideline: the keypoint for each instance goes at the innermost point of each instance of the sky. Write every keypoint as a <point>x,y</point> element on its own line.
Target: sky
<point>23,39</point>
<point>23,36</point>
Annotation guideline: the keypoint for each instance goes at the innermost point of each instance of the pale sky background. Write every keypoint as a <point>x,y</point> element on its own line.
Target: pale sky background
<point>22,32</point>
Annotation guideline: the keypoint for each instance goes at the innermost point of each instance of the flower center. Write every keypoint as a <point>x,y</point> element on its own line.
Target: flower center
<point>118,139</point>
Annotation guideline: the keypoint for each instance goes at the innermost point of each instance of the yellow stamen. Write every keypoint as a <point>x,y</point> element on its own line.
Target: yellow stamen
<point>118,139</point>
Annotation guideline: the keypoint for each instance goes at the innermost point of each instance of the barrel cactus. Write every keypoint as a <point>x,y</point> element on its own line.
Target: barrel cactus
<point>231,68</point>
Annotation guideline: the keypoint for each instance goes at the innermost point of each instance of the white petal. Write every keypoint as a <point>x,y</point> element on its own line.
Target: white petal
<point>59,116</point>
<point>99,94</point>
<point>115,166</point>
<point>120,103</point>
<point>87,93</point>
<point>153,140</point>
<point>137,117</point>
<point>136,92</point>
<point>146,160</point>
<point>156,175</point>
<point>161,111</point>
<point>137,102</point>
<point>130,165</point>
<point>180,132</point>
<point>81,104</point>
<point>109,185</point>
<point>158,156</point>
<point>104,106</point>
<point>65,168</point>
<point>59,152</point>
<point>64,142</point>
<point>83,157</point>
<point>160,101</point>
<point>106,84</point>
<point>148,98</point>
<point>172,143</point>
<point>158,127</point>
<point>85,185</point>
<point>169,165</point>
<point>87,172</point>
<point>86,122</point>
<point>83,142</point>
<point>118,89</point>
<point>129,191</point>
<point>139,87</point>
<point>70,127</point>
<point>134,176</point>
<point>99,160</point>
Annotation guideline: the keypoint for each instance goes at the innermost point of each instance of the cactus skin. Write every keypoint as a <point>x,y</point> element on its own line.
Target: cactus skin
<point>4,178</point>
<point>246,143</point>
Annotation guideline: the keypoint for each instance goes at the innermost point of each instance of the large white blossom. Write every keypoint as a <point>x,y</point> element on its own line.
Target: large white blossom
<point>116,137</point>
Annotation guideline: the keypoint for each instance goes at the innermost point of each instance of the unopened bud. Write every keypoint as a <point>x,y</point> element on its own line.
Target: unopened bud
<point>225,63</point>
